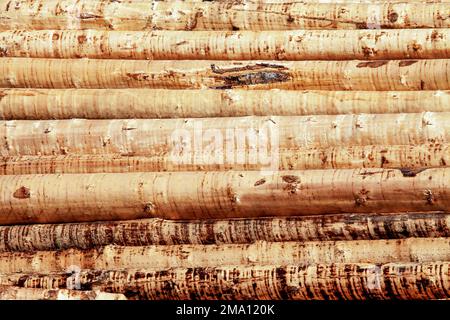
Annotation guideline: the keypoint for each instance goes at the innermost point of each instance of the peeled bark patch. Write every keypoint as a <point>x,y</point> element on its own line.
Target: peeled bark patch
<point>261,77</point>
<point>371,64</point>
<point>22,193</point>
<point>239,76</point>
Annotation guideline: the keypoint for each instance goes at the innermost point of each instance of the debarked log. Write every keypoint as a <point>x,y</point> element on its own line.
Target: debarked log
<point>379,75</point>
<point>337,281</point>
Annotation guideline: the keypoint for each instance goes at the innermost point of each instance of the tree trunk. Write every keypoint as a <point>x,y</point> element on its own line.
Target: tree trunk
<point>235,194</point>
<point>380,75</point>
<point>16,293</point>
<point>221,140</point>
<point>354,281</point>
<point>259,253</point>
<point>223,45</point>
<point>36,104</point>
<point>179,15</point>
<point>46,237</point>
<point>371,156</point>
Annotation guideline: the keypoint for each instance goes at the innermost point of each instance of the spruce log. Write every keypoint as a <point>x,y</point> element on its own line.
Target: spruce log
<point>259,253</point>
<point>379,75</point>
<point>46,237</point>
<point>225,45</point>
<point>220,140</point>
<point>37,104</point>
<point>337,281</point>
<point>194,16</point>
<point>208,195</point>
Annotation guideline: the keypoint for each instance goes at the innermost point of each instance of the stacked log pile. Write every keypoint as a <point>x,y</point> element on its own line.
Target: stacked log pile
<point>251,149</point>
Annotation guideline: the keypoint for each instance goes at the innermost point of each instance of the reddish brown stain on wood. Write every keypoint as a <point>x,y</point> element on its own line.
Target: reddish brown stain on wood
<point>81,39</point>
<point>371,64</point>
<point>22,193</point>
<point>406,63</point>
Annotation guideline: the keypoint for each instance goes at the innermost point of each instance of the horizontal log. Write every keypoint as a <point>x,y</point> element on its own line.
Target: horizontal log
<point>16,293</point>
<point>220,140</point>
<point>337,281</point>
<point>225,45</point>
<point>46,237</point>
<point>36,104</point>
<point>179,15</point>
<point>259,253</point>
<point>234,194</point>
<point>371,156</point>
<point>380,75</point>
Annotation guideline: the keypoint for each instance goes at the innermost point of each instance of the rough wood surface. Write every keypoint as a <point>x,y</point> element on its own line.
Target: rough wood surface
<point>178,15</point>
<point>259,253</point>
<point>200,141</point>
<point>235,194</point>
<point>46,237</point>
<point>44,104</point>
<point>381,75</point>
<point>225,45</point>
<point>16,293</point>
<point>355,281</point>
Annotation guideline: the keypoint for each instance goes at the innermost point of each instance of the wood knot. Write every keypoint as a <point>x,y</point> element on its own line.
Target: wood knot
<point>149,208</point>
<point>409,172</point>
<point>260,182</point>
<point>293,183</point>
<point>22,193</point>
<point>362,197</point>
<point>429,197</point>
<point>393,17</point>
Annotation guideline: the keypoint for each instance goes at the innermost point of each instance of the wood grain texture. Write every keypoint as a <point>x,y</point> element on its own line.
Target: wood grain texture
<point>219,140</point>
<point>260,253</point>
<point>195,16</point>
<point>225,45</point>
<point>16,293</point>
<point>370,156</point>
